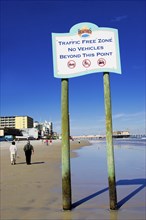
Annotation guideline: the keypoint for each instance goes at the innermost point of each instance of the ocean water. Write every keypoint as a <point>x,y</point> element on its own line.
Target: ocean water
<point>89,178</point>
<point>129,155</point>
<point>89,169</point>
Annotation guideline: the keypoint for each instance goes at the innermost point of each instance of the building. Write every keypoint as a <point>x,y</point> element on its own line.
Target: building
<point>121,134</point>
<point>9,131</point>
<point>45,128</point>
<point>30,133</point>
<point>17,122</point>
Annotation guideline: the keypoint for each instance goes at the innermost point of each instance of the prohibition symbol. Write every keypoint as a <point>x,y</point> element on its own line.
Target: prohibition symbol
<point>71,64</point>
<point>101,62</point>
<point>86,63</point>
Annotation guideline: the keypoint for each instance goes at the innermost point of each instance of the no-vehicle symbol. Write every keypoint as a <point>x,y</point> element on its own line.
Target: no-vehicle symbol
<point>71,64</point>
<point>86,63</point>
<point>101,62</point>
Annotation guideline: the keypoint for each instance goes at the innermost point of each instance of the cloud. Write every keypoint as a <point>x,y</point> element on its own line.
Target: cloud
<point>117,116</point>
<point>119,18</point>
<point>121,121</point>
<point>129,116</point>
<point>134,122</point>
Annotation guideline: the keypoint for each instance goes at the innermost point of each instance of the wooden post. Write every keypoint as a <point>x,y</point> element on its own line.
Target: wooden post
<point>66,174</point>
<point>109,141</point>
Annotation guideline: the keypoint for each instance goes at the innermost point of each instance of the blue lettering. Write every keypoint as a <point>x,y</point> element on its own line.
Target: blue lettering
<point>104,54</point>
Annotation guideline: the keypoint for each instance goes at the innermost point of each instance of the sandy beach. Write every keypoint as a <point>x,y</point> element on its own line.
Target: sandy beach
<point>35,192</point>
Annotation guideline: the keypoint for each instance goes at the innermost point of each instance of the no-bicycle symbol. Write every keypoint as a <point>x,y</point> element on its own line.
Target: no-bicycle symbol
<point>101,62</point>
<point>86,63</point>
<point>71,64</point>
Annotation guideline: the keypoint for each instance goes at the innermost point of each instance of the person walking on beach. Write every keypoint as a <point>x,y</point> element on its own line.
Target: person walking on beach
<point>13,153</point>
<point>47,142</point>
<point>28,149</point>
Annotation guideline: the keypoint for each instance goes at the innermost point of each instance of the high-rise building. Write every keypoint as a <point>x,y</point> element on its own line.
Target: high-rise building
<point>45,128</point>
<point>18,122</point>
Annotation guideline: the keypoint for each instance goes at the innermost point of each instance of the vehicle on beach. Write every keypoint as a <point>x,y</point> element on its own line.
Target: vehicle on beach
<point>7,138</point>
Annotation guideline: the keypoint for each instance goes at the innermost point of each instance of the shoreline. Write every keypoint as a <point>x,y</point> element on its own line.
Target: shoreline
<point>35,192</point>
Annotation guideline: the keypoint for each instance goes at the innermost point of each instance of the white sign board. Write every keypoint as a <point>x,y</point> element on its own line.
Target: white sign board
<point>86,49</point>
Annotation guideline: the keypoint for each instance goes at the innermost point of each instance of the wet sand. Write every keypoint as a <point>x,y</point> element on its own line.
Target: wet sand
<point>34,192</point>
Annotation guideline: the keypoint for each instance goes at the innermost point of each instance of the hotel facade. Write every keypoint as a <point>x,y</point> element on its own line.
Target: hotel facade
<point>17,122</point>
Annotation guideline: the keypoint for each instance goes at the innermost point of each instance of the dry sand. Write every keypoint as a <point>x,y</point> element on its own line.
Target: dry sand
<point>34,192</point>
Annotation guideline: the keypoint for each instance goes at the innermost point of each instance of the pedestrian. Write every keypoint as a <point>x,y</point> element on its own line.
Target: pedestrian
<point>13,153</point>
<point>47,142</point>
<point>28,149</point>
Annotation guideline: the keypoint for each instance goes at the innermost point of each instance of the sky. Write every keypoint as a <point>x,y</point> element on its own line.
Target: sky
<point>28,85</point>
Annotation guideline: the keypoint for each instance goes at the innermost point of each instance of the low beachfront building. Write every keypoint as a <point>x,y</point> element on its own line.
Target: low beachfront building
<point>121,134</point>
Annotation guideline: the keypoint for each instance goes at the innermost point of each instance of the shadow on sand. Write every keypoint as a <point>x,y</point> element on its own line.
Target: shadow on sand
<point>141,182</point>
<point>31,163</point>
